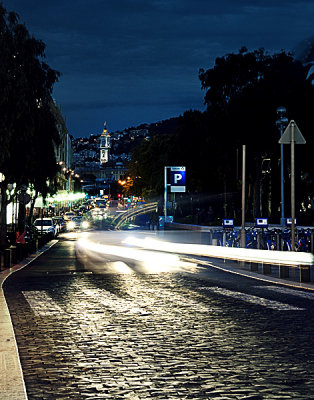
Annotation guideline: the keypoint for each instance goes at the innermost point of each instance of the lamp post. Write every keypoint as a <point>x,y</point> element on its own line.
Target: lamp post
<point>2,179</point>
<point>281,123</point>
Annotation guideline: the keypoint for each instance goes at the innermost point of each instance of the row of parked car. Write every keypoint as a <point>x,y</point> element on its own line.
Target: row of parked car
<point>55,225</point>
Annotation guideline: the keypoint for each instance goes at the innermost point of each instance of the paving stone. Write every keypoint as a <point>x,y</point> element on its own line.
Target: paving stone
<point>189,346</point>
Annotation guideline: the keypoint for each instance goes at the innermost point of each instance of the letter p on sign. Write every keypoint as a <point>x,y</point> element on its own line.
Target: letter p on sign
<point>177,178</point>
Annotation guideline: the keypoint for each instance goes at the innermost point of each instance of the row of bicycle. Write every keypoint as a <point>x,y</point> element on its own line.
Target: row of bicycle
<point>267,239</point>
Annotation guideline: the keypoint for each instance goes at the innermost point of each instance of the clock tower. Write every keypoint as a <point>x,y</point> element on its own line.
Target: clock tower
<point>104,146</point>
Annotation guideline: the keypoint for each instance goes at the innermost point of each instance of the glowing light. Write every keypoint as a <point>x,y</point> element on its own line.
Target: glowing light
<point>70,225</point>
<point>149,261</point>
<point>120,267</point>
<point>85,224</point>
<point>232,253</point>
<point>66,197</point>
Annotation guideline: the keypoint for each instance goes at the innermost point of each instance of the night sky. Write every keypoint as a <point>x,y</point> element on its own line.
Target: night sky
<point>129,62</point>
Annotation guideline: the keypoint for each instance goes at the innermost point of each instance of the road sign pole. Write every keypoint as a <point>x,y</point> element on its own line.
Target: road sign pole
<point>282,220</point>
<point>165,194</point>
<point>292,136</point>
<point>292,189</point>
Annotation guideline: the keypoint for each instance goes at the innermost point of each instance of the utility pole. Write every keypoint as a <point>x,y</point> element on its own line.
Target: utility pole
<point>243,196</point>
<point>281,123</point>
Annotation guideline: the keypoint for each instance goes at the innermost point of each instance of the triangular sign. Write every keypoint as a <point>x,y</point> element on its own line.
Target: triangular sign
<point>286,137</point>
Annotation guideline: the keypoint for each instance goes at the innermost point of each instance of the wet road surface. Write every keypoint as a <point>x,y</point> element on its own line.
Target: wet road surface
<point>188,333</point>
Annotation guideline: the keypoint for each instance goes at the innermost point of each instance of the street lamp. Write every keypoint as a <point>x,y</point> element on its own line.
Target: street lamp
<point>281,123</point>
<point>2,179</point>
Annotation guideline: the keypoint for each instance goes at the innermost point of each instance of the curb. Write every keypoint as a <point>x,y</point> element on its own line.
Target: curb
<point>12,385</point>
<point>257,276</point>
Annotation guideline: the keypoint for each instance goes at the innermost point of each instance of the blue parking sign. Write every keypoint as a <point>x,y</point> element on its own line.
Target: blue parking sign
<point>177,179</point>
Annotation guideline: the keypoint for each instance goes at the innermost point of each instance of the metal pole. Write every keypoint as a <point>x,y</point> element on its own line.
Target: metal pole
<point>292,189</point>
<point>243,197</point>
<point>281,122</point>
<point>165,193</point>
<point>282,182</point>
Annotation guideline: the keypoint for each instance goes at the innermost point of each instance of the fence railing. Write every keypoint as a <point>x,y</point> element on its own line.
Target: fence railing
<point>274,238</point>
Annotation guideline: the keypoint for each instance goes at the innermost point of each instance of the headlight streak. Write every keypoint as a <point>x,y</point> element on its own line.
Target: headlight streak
<point>232,253</point>
<point>149,261</point>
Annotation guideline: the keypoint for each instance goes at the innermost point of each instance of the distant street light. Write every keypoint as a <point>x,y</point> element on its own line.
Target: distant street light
<point>281,123</point>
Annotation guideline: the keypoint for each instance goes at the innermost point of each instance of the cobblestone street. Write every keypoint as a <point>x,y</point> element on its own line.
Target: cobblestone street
<point>155,336</point>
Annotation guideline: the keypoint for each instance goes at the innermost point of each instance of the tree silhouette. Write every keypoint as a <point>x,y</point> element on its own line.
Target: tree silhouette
<point>242,94</point>
<point>28,131</point>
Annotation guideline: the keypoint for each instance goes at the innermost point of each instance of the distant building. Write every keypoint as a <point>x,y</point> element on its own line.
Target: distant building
<point>64,150</point>
<point>104,146</point>
<point>135,133</point>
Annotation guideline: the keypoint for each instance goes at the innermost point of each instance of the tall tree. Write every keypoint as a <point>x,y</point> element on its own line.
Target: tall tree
<point>28,131</point>
<point>242,93</point>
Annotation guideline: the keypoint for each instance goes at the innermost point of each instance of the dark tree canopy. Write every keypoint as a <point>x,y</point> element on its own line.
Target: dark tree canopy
<point>27,126</point>
<point>242,94</point>
<point>28,131</point>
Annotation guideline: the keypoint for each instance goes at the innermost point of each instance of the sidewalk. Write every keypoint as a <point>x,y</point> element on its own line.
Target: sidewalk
<point>12,385</point>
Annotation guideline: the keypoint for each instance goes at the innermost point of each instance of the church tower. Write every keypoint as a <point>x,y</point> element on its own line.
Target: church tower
<point>104,146</point>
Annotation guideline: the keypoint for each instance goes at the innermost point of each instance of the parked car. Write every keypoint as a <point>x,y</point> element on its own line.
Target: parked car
<point>45,225</point>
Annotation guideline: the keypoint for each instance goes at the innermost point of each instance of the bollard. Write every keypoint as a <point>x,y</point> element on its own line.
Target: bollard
<point>14,257</point>
<point>25,250</point>
<point>253,267</point>
<point>266,269</point>
<point>19,251</point>
<point>210,237</point>
<point>305,275</point>
<point>224,238</point>
<point>283,271</point>
<point>277,241</point>
<point>7,258</point>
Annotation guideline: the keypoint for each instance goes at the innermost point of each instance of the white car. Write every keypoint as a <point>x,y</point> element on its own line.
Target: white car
<point>77,223</point>
<point>45,225</point>
<point>69,215</point>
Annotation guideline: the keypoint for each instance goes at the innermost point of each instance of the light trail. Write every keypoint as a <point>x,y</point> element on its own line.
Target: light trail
<point>147,261</point>
<point>232,253</point>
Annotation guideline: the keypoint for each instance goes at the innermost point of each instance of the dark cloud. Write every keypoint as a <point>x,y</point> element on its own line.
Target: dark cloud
<point>138,60</point>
